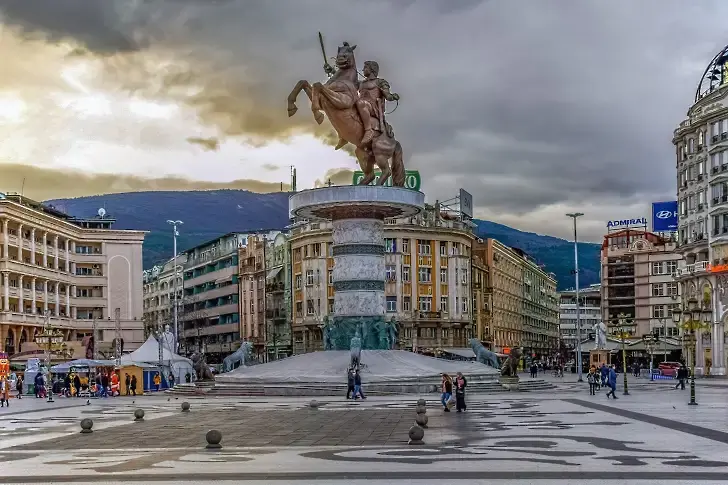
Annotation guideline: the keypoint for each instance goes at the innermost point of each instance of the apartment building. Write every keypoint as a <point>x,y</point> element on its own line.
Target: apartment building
<point>427,280</point>
<point>540,313</point>
<point>278,298</point>
<point>482,296</point>
<point>77,271</point>
<point>252,256</point>
<point>507,294</point>
<point>210,316</point>
<point>638,269</point>
<point>158,292</point>
<point>590,313</point>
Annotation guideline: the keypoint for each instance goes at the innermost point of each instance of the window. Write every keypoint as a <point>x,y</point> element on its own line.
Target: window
<point>309,307</point>
<point>657,268</point>
<point>443,248</point>
<point>405,273</point>
<point>464,275</point>
<point>390,245</point>
<point>658,289</point>
<point>443,275</point>
<point>425,303</point>
<point>425,274</point>
<point>658,311</point>
<point>299,281</point>
<point>391,304</point>
<point>331,277</point>
<point>671,267</point>
<point>309,277</point>
<point>672,289</point>
<point>331,306</point>
<point>406,304</point>
<point>317,250</point>
<point>405,246</point>
<point>391,272</point>
<point>465,305</point>
<point>443,304</point>
<point>423,248</point>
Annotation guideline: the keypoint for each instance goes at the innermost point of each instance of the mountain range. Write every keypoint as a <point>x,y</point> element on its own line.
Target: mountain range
<point>209,214</point>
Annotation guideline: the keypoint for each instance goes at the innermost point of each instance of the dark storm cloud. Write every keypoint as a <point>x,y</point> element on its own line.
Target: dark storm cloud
<point>527,104</point>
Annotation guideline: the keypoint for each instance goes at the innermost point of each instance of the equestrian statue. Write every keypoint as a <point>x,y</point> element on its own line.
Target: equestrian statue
<point>242,357</point>
<point>355,109</point>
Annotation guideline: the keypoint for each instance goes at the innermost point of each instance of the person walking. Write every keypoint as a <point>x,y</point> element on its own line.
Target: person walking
<point>604,374</point>
<point>460,385</point>
<point>534,370</point>
<point>682,375</point>
<point>133,385</point>
<point>171,380</point>
<point>357,386</point>
<point>37,384</point>
<point>19,386</point>
<point>127,382</point>
<point>157,381</point>
<point>591,378</point>
<point>350,384</point>
<point>612,382</point>
<point>446,392</point>
<point>4,392</point>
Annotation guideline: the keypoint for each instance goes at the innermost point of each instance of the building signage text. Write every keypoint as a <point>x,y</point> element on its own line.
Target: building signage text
<point>640,221</point>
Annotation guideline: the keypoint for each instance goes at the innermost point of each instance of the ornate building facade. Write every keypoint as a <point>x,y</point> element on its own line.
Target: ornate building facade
<point>75,271</point>
<point>482,296</point>
<point>427,286</point>
<point>159,294</point>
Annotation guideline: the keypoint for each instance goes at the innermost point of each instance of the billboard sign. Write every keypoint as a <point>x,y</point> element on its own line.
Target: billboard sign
<point>466,203</point>
<point>412,179</point>
<point>625,223</point>
<point>664,216</point>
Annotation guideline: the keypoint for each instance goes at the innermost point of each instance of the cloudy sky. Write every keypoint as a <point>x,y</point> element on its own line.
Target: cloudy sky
<point>536,107</point>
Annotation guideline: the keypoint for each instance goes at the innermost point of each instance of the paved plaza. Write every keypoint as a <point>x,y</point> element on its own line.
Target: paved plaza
<point>561,436</point>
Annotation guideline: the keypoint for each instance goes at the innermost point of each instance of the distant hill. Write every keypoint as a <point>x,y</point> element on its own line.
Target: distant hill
<point>209,214</point>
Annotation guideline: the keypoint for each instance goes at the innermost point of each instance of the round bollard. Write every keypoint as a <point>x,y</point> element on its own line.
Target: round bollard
<point>213,438</point>
<point>185,407</point>
<point>415,435</point>
<point>421,402</point>
<point>86,425</point>
<point>420,409</point>
<point>314,404</point>
<point>139,415</point>
<point>421,420</point>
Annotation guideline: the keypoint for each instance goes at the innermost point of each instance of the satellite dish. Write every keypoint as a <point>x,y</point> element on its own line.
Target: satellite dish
<point>102,212</point>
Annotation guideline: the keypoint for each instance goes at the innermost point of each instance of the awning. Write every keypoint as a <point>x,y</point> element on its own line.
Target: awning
<point>273,273</point>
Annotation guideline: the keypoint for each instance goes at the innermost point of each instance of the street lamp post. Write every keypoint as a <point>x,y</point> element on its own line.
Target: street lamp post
<point>649,341</point>
<point>695,317</point>
<point>575,215</point>
<point>622,318</point>
<point>50,339</point>
<point>174,310</point>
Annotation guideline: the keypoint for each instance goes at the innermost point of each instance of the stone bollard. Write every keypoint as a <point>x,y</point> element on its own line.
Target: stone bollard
<point>314,404</point>
<point>421,420</point>
<point>86,425</point>
<point>213,438</point>
<point>185,407</point>
<point>415,435</point>
<point>421,402</point>
<point>138,415</point>
<point>421,409</point>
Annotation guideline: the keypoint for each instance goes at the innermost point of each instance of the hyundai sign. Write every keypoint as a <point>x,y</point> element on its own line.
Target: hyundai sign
<point>664,216</point>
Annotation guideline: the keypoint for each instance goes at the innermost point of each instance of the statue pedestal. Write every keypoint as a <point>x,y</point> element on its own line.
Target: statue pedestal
<point>598,357</point>
<point>509,383</point>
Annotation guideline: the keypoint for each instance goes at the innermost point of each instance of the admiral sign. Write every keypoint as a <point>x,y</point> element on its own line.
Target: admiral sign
<point>623,223</point>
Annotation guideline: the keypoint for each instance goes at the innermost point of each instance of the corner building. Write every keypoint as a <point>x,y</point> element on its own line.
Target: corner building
<point>427,281</point>
<point>77,270</point>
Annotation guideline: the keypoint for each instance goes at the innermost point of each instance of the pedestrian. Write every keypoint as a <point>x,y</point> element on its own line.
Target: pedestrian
<point>534,370</point>
<point>446,392</point>
<point>682,375</point>
<point>133,385</point>
<point>591,378</point>
<point>171,380</point>
<point>604,374</point>
<point>460,384</point>
<point>19,386</point>
<point>4,393</point>
<point>612,382</point>
<point>188,378</point>
<point>350,384</point>
<point>357,385</point>
<point>104,385</point>
<point>127,382</point>
<point>77,385</point>
<point>157,381</point>
<point>38,384</point>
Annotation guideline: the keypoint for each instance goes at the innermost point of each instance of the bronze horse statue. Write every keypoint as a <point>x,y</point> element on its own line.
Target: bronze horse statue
<point>337,98</point>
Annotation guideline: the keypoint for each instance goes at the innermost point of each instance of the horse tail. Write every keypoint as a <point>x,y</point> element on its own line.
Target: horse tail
<point>398,175</point>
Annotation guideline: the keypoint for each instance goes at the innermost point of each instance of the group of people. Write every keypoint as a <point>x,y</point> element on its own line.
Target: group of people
<point>354,390</point>
<point>5,388</point>
<point>458,385</point>
<point>606,376</point>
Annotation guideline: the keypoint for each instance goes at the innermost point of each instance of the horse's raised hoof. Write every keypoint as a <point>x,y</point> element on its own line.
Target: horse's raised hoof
<point>292,111</point>
<point>319,117</point>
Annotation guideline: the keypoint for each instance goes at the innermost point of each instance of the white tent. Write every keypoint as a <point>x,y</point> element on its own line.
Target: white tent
<point>148,353</point>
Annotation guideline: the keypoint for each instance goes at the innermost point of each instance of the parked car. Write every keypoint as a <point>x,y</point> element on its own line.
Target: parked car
<point>669,368</point>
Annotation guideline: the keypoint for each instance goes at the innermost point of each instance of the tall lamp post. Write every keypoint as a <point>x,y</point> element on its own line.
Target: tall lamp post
<point>174,310</point>
<point>695,317</point>
<point>622,335</point>
<point>575,215</point>
<point>50,339</point>
<point>650,340</point>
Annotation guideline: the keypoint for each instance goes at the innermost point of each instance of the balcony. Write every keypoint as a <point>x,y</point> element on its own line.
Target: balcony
<point>275,288</point>
<point>429,315</point>
<point>275,314</point>
<point>35,319</point>
<point>692,269</point>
